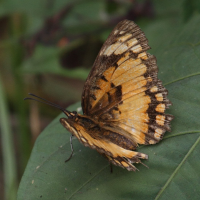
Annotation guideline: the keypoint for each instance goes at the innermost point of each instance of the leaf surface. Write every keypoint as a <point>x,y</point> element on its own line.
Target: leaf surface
<point>173,163</point>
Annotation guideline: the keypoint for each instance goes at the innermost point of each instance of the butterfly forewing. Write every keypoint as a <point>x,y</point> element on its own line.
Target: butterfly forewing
<point>124,42</point>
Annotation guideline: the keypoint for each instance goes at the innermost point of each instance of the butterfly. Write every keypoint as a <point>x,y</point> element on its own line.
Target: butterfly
<point>123,101</point>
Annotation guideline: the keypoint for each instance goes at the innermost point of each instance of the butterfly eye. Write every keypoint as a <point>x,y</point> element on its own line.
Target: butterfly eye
<point>73,115</point>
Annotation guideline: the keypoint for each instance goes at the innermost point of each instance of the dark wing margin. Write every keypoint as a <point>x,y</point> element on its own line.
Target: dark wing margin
<point>126,37</point>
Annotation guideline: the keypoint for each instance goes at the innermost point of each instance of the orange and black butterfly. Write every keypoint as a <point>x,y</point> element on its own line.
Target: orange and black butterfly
<point>123,101</point>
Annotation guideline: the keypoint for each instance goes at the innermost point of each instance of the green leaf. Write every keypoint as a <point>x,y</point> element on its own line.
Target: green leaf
<point>173,163</point>
<point>190,7</point>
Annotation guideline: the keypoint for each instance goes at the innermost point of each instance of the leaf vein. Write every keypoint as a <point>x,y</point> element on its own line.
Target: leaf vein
<point>182,78</point>
<point>176,170</point>
<point>88,181</point>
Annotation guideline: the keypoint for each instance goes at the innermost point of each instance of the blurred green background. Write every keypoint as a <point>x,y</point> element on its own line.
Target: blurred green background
<point>47,47</point>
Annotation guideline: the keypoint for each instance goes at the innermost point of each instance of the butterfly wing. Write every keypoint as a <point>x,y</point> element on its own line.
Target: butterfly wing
<point>125,39</point>
<point>122,91</point>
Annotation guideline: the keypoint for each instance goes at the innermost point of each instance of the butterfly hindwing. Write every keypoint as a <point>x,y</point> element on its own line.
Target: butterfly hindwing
<point>119,151</point>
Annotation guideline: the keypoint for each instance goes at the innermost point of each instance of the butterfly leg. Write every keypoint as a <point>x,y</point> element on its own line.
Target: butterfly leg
<point>71,149</point>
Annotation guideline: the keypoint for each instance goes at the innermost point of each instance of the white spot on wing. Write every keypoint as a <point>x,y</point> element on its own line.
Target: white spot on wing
<point>136,49</point>
<point>111,48</point>
<point>115,32</point>
<point>79,109</point>
<point>124,37</point>
<point>133,130</point>
<point>132,42</point>
<point>121,49</point>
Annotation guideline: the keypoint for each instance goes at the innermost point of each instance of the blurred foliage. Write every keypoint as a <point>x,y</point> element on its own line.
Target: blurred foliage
<point>47,47</point>
<point>191,7</point>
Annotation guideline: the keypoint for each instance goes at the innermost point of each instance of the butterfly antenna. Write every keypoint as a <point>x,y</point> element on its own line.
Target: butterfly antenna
<point>48,103</point>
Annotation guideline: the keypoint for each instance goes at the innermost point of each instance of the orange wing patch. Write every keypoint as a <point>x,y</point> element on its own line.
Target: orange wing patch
<point>160,120</point>
<point>159,96</point>
<point>143,56</point>
<point>122,59</point>
<point>154,89</point>
<point>126,66</point>
<point>102,86</point>
<point>160,108</point>
<point>139,136</point>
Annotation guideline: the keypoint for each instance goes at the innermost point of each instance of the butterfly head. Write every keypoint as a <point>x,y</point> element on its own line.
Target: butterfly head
<point>80,126</point>
<point>72,123</point>
<point>71,115</point>
<point>69,122</point>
